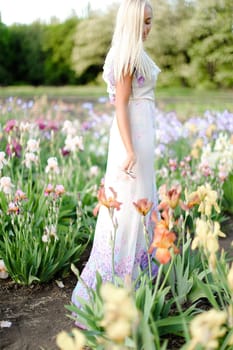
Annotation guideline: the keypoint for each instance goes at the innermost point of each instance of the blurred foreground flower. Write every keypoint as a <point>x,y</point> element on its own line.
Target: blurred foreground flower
<point>120,312</point>
<point>3,270</point>
<point>75,341</point>
<point>110,202</point>
<point>207,328</point>
<point>230,278</point>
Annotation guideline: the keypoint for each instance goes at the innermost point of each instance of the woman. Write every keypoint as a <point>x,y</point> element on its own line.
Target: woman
<point>130,76</point>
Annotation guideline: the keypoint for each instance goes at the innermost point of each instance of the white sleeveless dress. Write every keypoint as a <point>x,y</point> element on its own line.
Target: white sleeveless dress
<point>130,252</point>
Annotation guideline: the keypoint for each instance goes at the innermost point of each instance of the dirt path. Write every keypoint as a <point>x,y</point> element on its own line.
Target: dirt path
<point>38,314</point>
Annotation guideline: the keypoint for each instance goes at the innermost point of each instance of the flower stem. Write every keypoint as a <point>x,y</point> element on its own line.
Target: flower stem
<point>113,241</point>
<point>168,273</point>
<point>157,281</point>
<point>146,234</point>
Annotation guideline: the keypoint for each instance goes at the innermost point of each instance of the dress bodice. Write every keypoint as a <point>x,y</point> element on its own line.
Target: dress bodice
<point>142,87</point>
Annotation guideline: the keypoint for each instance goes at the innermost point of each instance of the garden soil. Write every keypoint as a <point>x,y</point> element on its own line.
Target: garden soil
<point>38,312</point>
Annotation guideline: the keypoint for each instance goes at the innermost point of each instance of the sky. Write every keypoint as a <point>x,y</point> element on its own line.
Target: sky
<point>27,11</point>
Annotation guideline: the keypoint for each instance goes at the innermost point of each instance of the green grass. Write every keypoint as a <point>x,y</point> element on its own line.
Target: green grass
<point>185,102</point>
<point>192,102</point>
<point>85,91</point>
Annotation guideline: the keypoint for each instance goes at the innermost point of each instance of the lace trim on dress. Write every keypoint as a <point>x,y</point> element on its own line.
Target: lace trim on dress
<point>108,75</point>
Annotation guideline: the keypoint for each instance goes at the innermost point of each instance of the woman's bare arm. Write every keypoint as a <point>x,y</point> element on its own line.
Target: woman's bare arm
<point>123,91</point>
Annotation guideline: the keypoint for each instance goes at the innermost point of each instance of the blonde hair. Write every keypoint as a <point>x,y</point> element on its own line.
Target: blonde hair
<point>127,40</point>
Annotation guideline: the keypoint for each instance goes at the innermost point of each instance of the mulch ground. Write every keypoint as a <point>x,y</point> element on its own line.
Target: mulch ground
<point>38,312</point>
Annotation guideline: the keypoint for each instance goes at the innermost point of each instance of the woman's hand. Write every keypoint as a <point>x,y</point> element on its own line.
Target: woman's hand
<point>129,164</point>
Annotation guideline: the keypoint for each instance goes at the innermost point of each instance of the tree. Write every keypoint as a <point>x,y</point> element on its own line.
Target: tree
<point>169,40</point>
<point>191,41</point>
<point>58,43</point>
<point>212,44</point>
<point>5,72</point>
<point>92,40</point>
<point>27,60</point>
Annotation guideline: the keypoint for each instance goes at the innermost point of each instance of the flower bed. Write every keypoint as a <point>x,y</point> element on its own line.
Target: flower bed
<point>52,159</point>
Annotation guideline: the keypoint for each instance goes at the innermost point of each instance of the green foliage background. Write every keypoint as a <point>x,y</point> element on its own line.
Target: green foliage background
<point>191,41</point>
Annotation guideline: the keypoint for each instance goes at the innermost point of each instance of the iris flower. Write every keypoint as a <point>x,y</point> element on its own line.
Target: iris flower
<point>110,202</point>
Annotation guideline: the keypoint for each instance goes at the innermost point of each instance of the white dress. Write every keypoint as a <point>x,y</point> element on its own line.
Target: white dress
<point>130,248</point>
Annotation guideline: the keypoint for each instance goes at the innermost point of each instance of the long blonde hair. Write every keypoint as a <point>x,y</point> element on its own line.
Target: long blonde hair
<point>127,39</point>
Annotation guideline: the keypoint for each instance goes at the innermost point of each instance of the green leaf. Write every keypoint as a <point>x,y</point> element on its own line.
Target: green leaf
<point>147,337</point>
<point>228,194</point>
<point>225,344</point>
<point>202,290</point>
